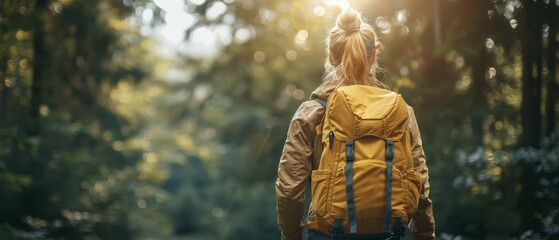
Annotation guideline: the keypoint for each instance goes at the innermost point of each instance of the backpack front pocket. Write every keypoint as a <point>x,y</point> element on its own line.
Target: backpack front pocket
<point>369,186</point>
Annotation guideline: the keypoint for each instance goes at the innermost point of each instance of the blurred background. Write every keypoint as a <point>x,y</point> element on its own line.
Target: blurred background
<point>165,119</point>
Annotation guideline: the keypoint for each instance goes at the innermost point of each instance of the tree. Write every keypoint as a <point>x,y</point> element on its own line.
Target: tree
<point>63,170</point>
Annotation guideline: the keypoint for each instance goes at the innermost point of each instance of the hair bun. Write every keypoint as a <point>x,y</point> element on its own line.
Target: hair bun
<point>349,21</point>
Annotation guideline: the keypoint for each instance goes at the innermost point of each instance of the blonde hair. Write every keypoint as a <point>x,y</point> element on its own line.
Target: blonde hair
<point>352,50</point>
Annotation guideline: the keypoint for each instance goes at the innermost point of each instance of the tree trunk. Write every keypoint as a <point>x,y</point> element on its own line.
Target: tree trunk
<point>530,105</point>
<point>538,60</point>
<point>532,51</point>
<point>4,53</point>
<point>530,26</point>
<point>39,62</point>
<point>3,88</point>
<point>551,59</point>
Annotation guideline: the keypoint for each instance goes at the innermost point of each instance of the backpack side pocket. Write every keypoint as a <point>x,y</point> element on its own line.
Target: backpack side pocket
<point>320,181</point>
<point>412,185</point>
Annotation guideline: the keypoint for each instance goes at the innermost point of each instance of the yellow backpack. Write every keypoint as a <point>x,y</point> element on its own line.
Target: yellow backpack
<point>365,139</point>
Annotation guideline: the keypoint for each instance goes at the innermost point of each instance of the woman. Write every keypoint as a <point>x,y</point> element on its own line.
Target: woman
<point>352,50</point>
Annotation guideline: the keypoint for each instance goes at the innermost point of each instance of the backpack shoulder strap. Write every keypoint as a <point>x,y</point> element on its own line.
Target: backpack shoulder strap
<point>321,101</point>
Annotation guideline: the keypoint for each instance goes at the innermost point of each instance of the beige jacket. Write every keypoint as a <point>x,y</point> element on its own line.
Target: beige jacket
<point>301,154</point>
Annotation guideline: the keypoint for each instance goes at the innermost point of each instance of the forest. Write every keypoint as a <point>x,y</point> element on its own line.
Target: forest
<point>165,119</point>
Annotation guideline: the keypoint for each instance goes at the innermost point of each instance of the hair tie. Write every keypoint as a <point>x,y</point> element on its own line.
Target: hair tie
<point>352,30</point>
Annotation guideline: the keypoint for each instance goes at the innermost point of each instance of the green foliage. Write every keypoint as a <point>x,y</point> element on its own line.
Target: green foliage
<point>250,210</point>
<point>488,175</point>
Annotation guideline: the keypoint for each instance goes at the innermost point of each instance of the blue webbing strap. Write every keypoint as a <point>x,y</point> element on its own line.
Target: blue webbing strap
<point>321,101</point>
<point>350,155</point>
<point>338,232</point>
<point>330,139</point>
<point>389,158</point>
<point>400,230</point>
<point>338,229</point>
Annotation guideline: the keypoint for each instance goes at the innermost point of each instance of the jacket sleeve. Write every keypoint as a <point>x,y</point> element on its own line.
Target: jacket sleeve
<point>423,222</point>
<point>294,170</point>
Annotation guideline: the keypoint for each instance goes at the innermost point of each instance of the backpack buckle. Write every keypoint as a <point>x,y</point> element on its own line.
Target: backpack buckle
<point>350,153</point>
<point>389,150</point>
